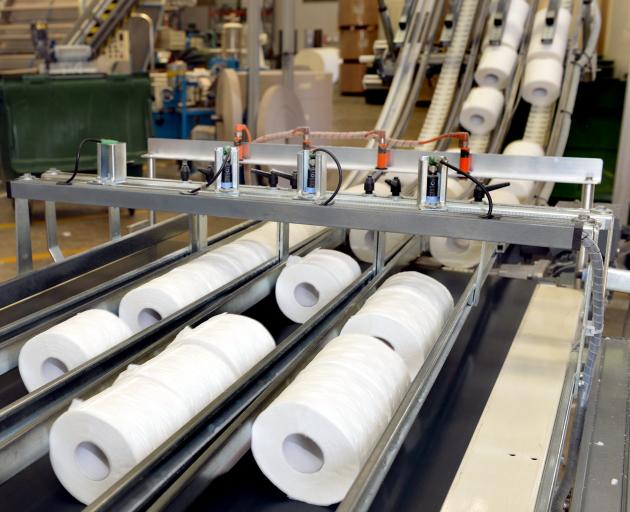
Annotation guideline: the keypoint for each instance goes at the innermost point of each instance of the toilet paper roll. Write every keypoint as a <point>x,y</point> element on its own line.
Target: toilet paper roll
<point>196,375</point>
<point>237,340</point>
<point>557,48</point>
<point>454,252</point>
<point>151,302</point>
<point>224,263</point>
<point>267,234</point>
<point>69,344</point>
<point>314,438</point>
<point>306,285</point>
<point>481,110</point>
<point>421,283</point>
<point>524,148</point>
<point>542,82</point>
<point>514,23</point>
<point>346,268</point>
<point>496,66</point>
<point>94,443</point>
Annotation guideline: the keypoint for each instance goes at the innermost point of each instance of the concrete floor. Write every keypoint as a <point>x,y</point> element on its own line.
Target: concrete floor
<point>81,228</point>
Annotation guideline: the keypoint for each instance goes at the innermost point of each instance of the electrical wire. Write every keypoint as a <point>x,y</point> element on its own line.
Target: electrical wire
<point>486,192</point>
<point>336,191</point>
<point>226,159</point>
<point>77,158</point>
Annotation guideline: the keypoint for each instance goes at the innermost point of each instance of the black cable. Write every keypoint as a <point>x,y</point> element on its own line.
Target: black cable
<point>76,161</point>
<point>226,159</point>
<point>476,182</point>
<point>336,191</point>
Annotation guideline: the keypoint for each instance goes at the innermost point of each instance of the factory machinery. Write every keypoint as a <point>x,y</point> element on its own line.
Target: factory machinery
<point>520,403</point>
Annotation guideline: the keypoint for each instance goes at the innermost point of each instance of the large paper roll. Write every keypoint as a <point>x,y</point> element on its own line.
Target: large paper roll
<point>542,82</point>
<point>96,442</point>
<point>481,110</point>
<point>321,60</point>
<point>514,23</point>
<point>496,66</point>
<point>69,344</point>
<point>314,438</point>
<point>307,284</point>
<point>557,48</point>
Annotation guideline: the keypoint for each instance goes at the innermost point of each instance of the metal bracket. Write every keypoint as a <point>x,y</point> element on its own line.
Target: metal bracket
<point>50,214</point>
<point>499,20</point>
<point>24,256</point>
<point>379,251</point>
<point>551,21</point>
<point>283,240</point>
<point>487,253</point>
<point>198,227</point>
<point>114,223</point>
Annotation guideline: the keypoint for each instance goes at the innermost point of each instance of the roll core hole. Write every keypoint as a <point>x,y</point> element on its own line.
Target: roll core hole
<point>306,295</point>
<point>92,461</point>
<point>302,453</point>
<point>539,92</point>
<point>476,120</point>
<point>147,317</point>
<point>492,79</point>
<point>53,368</point>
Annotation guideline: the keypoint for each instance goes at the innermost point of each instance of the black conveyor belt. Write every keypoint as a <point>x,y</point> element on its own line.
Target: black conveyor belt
<point>429,459</point>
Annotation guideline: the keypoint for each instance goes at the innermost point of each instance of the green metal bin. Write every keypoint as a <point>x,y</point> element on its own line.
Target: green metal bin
<point>43,119</point>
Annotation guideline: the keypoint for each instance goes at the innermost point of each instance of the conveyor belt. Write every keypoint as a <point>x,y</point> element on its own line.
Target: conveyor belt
<point>424,468</point>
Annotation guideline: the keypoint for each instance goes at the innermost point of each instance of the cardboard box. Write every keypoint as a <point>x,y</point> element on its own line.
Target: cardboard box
<point>358,12</point>
<point>354,42</point>
<point>351,77</point>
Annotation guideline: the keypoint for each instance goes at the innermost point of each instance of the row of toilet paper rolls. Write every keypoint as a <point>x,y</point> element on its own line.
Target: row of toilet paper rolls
<point>543,73</point>
<point>97,441</point>
<point>63,347</point>
<point>314,438</point>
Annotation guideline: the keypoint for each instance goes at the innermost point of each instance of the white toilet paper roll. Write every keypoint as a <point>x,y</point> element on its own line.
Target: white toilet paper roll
<point>69,344</point>
<point>94,443</point>
<point>346,268</point>
<point>305,286</point>
<point>542,82</point>
<point>454,252</point>
<point>481,110</point>
<point>362,243</point>
<point>558,46</point>
<point>313,439</point>
<point>496,66</point>
<point>514,23</point>
<point>224,263</point>
<point>268,234</point>
<point>237,340</point>
<point>524,148</point>
<point>421,283</point>
<point>159,298</point>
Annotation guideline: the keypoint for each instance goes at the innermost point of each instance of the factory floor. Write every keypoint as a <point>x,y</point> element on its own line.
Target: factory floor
<point>81,227</point>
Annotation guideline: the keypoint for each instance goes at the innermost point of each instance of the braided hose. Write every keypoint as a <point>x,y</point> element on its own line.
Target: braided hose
<point>449,74</point>
<point>595,341</point>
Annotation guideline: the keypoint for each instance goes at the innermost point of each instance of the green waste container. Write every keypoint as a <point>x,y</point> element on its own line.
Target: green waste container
<point>43,119</point>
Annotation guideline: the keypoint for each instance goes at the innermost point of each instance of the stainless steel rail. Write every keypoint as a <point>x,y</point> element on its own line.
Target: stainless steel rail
<point>24,424</point>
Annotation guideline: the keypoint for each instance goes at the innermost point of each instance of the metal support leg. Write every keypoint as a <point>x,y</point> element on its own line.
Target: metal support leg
<point>114,223</point>
<point>283,240</point>
<point>487,252</point>
<point>23,236</point>
<point>152,175</point>
<point>379,251</point>
<point>51,231</point>
<point>253,64</point>
<point>198,232</point>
